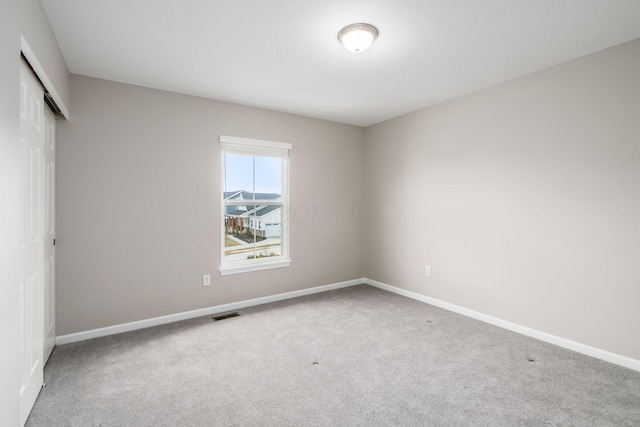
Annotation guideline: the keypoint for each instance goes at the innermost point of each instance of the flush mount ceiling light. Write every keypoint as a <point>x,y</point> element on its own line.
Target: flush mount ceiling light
<point>357,37</point>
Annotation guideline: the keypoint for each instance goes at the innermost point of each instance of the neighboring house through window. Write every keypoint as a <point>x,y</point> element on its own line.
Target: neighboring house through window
<point>255,199</point>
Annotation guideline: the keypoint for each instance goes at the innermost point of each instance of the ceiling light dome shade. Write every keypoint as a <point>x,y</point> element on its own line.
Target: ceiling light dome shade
<point>357,38</point>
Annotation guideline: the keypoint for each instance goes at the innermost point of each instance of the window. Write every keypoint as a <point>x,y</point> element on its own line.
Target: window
<point>255,186</point>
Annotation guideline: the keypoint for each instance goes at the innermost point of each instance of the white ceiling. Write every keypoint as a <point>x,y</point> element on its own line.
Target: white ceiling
<point>284,54</point>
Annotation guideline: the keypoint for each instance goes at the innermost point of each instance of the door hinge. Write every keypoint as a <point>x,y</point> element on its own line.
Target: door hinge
<point>54,242</point>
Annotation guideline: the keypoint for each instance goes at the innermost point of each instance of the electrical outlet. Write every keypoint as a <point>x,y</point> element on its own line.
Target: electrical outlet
<point>427,270</point>
<point>206,280</point>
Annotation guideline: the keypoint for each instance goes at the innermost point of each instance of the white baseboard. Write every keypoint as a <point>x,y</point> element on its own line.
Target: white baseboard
<point>607,356</point>
<point>141,324</point>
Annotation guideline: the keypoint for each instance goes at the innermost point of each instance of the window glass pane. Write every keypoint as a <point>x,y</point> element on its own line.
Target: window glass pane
<point>254,237</point>
<point>268,176</point>
<point>238,175</point>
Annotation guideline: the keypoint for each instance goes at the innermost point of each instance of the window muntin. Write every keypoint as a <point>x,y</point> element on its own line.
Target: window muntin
<point>254,202</point>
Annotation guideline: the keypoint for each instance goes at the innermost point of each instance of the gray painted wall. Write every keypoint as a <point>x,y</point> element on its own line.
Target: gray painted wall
<point>523,197</point>
<point>138,209</point>
<point>9,211</point>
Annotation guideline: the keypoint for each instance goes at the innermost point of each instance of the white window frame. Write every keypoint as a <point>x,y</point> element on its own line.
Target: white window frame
<point>256,147</point>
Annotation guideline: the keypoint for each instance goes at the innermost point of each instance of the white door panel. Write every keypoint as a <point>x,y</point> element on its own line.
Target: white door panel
<point>49,157</point>
<point>31,284</point>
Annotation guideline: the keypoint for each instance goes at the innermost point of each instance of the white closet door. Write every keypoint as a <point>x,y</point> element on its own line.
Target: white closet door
<point>31,285</point>
<point>49,155</point>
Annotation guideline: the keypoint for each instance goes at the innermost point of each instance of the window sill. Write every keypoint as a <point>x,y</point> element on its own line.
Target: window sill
<point>225,271</point>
